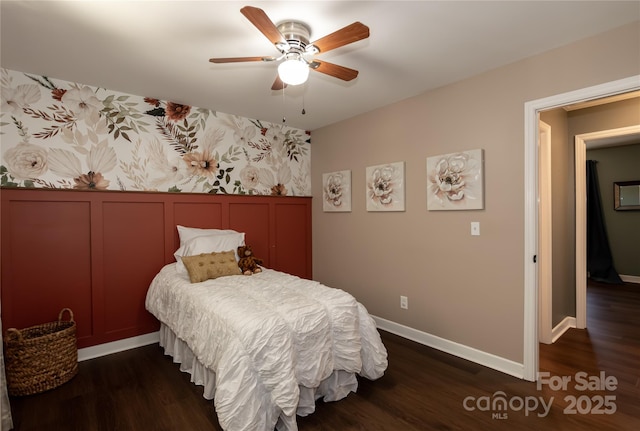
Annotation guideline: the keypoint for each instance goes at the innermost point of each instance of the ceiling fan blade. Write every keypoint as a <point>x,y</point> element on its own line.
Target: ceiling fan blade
<point>334,70</point>
<point>262,22</point>
<point>239,59</point>
<point>346,35</point>
<point>278,84</point>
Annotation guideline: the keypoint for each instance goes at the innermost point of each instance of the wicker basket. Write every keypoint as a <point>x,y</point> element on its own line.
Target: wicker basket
<point>41,357</point>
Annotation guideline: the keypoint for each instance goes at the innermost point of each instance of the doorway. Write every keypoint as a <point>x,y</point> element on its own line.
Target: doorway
<point>531,222</point>
<point>562,258</point>
<point>582,143</point>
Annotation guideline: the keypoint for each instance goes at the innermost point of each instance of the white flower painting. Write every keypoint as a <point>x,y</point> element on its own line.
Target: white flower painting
<point>455,181</point>
<point>336,191</point>
<point>385,187</point>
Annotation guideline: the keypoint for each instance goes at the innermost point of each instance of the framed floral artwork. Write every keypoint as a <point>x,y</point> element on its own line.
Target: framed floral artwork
<point>456,181</point>
<point>336,191</point>
<point>385,187</point>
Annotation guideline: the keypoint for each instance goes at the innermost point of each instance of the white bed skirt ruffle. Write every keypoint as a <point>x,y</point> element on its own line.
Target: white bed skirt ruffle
<point>336,387</point>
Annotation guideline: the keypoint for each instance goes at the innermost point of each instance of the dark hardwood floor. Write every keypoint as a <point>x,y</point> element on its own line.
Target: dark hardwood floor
<point>423,389</point>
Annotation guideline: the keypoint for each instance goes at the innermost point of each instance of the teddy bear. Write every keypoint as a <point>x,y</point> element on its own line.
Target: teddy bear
<point>247,262</point>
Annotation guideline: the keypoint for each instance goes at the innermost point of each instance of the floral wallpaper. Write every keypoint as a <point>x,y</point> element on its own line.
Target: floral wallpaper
<point>63,135</point>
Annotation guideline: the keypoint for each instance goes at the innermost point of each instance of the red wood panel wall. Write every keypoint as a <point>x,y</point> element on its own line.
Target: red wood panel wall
<point>97,252</point>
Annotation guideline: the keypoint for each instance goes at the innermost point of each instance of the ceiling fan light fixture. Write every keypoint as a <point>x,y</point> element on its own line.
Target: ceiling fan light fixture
<point>293,71</point>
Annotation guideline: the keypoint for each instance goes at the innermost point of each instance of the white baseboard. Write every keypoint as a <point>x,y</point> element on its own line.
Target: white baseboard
<point>630,278</point>
<point>460,350</point>
<point>118,346</point>
<point>456,349</point>
<point>562,327</point>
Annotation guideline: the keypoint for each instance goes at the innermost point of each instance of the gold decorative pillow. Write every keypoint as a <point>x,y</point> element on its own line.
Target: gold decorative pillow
<point>206,266</point>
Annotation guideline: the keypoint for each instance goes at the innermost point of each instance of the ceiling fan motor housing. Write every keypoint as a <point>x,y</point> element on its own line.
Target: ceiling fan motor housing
<point>296,33</point>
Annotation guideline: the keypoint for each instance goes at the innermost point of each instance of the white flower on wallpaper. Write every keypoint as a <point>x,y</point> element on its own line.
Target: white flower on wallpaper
<point>99,160</point>
<point>250,177</point>
<point>14,99</point>
<point>57,134</point>
<point>83,102</point>
<point>162,166</point>
<point>26,161</point>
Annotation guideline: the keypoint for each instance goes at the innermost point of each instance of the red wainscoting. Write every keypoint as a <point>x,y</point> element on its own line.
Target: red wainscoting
<point>97,252</point>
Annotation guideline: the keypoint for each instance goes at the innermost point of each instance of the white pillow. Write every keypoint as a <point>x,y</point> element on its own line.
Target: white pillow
<point>186,233</point>
<point>208,244</point>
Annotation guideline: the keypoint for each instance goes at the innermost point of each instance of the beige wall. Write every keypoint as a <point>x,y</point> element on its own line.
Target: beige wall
<point>604,117</point>
<point>462,288</point>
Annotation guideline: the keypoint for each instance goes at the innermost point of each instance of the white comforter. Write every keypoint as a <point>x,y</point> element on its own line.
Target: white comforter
<point>265,334</point>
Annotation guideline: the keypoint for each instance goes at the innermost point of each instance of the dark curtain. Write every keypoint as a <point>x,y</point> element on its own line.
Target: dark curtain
<point>599,259</point>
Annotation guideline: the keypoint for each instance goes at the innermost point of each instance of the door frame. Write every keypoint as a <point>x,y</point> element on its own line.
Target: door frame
<point>545,261</point>
<point>531,119</point>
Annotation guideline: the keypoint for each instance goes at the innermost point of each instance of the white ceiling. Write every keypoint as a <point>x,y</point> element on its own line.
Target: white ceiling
<point>161,49</point>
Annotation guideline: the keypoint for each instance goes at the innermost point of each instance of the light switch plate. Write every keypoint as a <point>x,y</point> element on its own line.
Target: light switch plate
<point>475,228</point>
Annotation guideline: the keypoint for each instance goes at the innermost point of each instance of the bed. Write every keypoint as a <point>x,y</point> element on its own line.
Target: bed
<point>265,346</point>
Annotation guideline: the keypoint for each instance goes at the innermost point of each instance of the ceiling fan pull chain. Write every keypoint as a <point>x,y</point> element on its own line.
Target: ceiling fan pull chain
<point>284,118</point>
<point>303,111</point>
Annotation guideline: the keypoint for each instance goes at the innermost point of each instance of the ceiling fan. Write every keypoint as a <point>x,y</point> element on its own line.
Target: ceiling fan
<point>291,38</point>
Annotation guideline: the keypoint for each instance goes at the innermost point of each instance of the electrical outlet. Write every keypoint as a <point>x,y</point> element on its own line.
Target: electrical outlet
<point>404,302</point>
